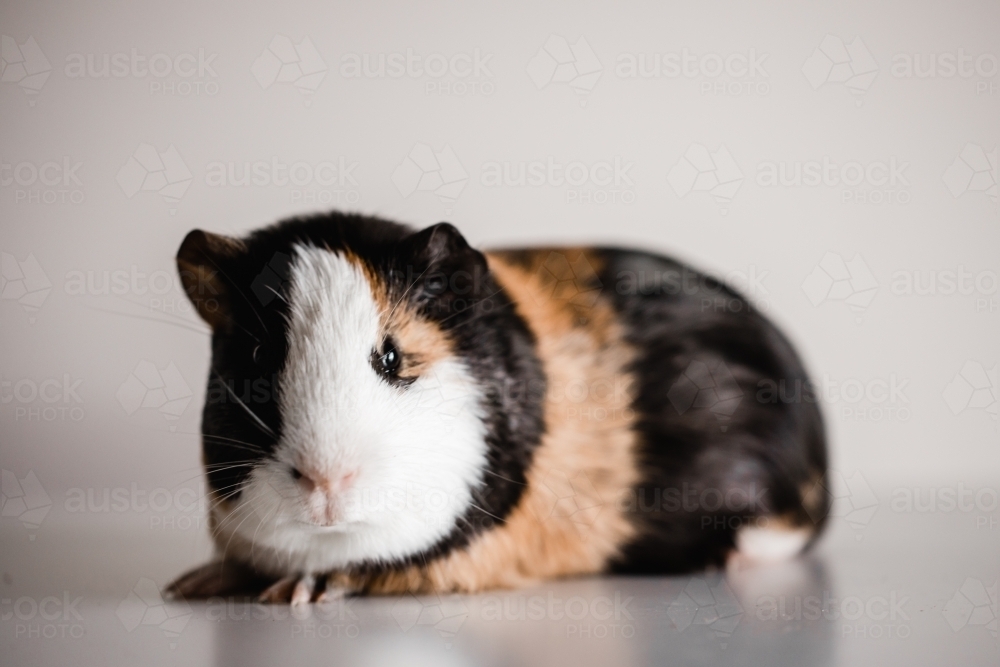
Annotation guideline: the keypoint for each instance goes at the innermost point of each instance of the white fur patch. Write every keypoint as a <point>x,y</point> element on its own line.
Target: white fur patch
<point>771,545</point>
<point>416,451</point>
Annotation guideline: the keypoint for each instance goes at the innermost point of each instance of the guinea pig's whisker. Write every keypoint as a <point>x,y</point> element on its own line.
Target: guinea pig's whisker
<point>232,394</point>
<point>276,293</point>
<point>233,321</point>
<point>217,494</point>
<point>209,466</point>
<point>500,519</point>
<point>213,466</point>
<point>162,316</point>
<point>225,551</point>
<point>403,295</point>
<point>253,538</point>
<point>249,446</point>
<point>215,497</point>
<point>235,466</point>
<point>219,499</point>
<point>476,316</point>
<point>216,469</point>
<point>235,512</point>
<point>506,479</point>
<point>179,325</point>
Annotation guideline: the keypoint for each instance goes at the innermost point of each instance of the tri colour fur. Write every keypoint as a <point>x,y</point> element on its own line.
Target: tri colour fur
<point>393,411</point>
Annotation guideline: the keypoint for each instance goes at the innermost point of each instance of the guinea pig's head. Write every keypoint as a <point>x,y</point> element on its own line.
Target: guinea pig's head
<point>352,413</point>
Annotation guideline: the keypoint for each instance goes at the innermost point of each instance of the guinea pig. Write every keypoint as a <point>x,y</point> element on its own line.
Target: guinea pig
<point>393,411</point>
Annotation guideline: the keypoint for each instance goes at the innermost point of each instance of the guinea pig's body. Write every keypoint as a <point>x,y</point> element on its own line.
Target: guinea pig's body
<point>392,411</point>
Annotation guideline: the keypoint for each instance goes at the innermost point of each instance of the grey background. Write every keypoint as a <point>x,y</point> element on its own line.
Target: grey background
<point>936,217</point>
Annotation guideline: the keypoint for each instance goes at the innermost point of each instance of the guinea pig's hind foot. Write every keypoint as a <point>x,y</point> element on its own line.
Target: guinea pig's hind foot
<point>767,545</point>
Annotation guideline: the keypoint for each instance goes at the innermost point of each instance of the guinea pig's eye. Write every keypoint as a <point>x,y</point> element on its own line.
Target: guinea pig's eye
<point>388,359</point>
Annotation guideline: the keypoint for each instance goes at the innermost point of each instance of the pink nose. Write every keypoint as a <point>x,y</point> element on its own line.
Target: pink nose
<point>324,493</point>
<point>327,483</point>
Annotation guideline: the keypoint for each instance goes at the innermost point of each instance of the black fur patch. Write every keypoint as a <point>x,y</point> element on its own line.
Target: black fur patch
<point>713,456</point>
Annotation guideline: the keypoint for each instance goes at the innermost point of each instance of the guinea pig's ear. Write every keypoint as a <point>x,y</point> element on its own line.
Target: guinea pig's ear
<point>199,262</point>
<point>443,247</point>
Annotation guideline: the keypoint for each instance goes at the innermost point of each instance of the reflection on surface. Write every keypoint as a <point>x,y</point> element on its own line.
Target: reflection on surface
<point>752,617</point>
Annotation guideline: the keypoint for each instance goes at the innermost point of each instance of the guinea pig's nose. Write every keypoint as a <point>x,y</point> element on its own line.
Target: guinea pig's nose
<point>328,482</point>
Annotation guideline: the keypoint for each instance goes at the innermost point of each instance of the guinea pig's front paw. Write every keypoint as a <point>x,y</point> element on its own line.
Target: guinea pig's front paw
<point>293,588</point>
<point>215,579</point>
<point>303,588</point>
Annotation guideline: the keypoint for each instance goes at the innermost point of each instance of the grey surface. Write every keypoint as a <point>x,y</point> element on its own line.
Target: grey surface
<point>907,390</point>
<point>900,590</point>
